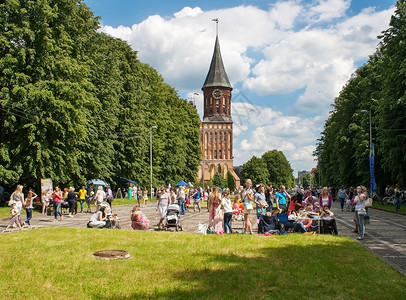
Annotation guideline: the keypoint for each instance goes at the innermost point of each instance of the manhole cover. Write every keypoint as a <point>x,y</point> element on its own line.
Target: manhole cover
<point>111,254</point>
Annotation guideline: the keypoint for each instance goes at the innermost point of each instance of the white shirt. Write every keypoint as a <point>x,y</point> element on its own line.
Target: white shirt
<point>226,202</point>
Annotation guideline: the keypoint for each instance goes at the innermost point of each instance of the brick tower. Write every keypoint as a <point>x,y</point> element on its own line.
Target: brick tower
<point>217,125</point>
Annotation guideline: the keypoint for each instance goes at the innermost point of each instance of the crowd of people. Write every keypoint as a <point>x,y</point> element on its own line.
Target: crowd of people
<point>304,207</point>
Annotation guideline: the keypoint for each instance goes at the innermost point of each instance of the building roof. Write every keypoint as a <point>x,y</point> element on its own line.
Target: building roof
<point>217,76</point>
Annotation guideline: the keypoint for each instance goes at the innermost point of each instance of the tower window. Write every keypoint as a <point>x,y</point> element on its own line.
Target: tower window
<point>215,154</point>
<point>211,136</point>
<point>225,136</point>
<point>220,154</point>
<point>215,136</point>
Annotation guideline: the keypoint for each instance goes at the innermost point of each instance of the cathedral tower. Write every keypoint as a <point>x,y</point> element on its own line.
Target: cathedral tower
<point>217,125</point>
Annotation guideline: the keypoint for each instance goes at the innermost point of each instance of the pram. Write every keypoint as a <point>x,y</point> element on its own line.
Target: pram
<point>173,216</point>
<point>329,227</point>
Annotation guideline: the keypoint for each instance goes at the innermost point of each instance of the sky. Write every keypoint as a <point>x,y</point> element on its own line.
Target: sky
<point>286,60</point>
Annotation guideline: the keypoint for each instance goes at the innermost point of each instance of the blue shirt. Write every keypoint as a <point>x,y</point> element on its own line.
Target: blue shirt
<point>197,196</point>
<point>341,193</point>
<point>281,197</point>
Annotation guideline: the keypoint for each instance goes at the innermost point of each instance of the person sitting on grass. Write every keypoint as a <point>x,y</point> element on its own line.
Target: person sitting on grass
<point>98,219</point>
<point>14,217</point>
<point>139,219</point>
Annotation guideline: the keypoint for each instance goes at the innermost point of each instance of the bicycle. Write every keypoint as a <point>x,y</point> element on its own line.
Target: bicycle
<point>376,198</point>
<point>389,200</point>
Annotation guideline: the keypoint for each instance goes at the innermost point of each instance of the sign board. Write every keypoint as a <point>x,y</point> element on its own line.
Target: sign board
<point>46,184</point>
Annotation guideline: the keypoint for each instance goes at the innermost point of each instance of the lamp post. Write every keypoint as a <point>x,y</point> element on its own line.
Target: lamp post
<point>203,167</point>
<point>150,154</point>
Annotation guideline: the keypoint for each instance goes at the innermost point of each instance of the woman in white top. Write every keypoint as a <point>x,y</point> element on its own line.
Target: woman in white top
<point>163,204</point>
<point>359,202</point>
<point>228,210</point>
<point>99,197</point>
<point>247,197</point>
<point>18,197</point>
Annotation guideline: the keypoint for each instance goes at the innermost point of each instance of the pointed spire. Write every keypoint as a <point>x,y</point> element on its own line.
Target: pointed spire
<point>217,76</point>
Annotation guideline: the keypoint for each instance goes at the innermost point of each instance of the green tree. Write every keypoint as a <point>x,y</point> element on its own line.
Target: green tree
<point>278,169</point>
<point>230,181</point>
<point>78,104</point>
<point>391,107</point>
<point>44,90</point>
<point>256,170</point>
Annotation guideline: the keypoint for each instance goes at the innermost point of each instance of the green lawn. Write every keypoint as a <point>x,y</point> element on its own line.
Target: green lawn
<point>389,207</point>
<point>57,263</point>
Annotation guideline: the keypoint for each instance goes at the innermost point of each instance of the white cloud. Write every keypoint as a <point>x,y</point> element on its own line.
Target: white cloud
<point>267,129</point>
<point>293,46</point>
<point>326,10</point>
<point>285,13</point>
<point>188,12</point>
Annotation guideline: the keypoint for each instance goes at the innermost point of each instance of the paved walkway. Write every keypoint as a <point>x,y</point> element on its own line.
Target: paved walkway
<point>385,235</point>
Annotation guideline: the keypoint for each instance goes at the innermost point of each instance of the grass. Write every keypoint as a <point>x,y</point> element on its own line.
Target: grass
<point>57,263</point>
<point>389,207</point>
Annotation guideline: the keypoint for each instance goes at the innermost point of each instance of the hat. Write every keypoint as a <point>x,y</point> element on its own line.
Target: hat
<point>12,202</point>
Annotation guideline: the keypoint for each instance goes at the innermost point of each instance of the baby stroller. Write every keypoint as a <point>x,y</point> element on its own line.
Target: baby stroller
<point>172,217</point>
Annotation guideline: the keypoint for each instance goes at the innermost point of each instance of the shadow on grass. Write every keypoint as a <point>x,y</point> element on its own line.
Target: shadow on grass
<point>339,269</point>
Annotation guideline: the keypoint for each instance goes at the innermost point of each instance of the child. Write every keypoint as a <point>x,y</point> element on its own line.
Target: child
<point>238,208</point>
<point>14,217</point>
<point>347,203</point>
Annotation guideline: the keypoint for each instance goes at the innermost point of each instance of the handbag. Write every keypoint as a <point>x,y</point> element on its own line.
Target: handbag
<point>362,211</point>
<point>368,202</point>
<point>248,206</point>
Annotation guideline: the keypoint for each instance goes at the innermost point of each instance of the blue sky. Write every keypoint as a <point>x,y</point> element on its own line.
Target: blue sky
<point>287,60</point>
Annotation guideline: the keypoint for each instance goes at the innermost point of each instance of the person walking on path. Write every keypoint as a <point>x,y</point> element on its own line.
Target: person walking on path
<point>130,192</point>
<point>196,199</point>
<point>82,197</point>
<point>18,197</point>
<point>72,202</point>
<point>341,196</point>
<point>247,197</point>
<point>145,196</point>
<point>228,210</point>
<point>99,197</point>
<point>163,204</point>
<point>14,217</point>
<point>359,202</point>
<point>57,197</point>
<point>216,215</point>
<point>28,206</point>
<point>181,200</point>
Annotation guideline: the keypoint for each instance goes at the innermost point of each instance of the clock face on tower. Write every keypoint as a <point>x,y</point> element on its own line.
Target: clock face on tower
<point>217,94</point>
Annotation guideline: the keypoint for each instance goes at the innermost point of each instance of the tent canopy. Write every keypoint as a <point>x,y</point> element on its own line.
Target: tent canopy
<point>180,183</point>
<point>97,182</point>
<point>125,181</point>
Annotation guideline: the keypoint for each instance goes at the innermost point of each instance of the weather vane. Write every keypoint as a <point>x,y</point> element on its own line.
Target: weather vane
<point>217,25</point>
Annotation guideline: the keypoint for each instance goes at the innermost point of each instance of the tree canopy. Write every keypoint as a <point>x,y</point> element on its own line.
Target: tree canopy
<point>378,87</point>
<point>272,167</point>
<point>77,104</point>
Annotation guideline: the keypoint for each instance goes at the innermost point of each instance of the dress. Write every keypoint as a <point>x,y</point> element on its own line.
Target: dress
<point>139,221</point>
<point>163,205</point>
<point>17,198</point>
<point>216,216</point>
<point>130,193</point>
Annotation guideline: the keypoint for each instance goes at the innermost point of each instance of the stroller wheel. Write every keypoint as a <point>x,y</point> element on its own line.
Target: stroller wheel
<point>177,227</point>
